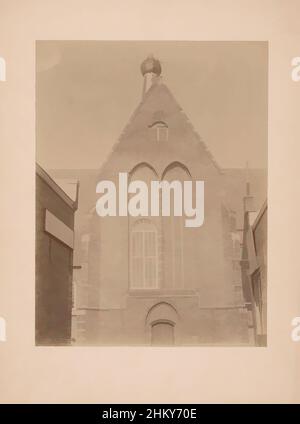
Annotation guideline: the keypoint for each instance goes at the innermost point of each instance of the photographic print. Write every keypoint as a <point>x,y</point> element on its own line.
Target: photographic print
<point>151,193</point>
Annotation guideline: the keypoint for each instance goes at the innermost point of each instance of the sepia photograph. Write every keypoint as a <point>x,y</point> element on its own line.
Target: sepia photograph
<point>149,209</point>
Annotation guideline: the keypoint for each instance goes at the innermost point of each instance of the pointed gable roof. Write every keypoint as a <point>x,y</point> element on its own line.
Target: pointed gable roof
<point>159,98</point>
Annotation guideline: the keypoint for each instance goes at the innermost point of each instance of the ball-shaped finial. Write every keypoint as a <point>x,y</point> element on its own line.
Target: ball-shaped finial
<point>151,65</point>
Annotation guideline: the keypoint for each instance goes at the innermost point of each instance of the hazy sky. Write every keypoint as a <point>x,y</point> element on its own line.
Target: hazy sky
<point>87,91</point>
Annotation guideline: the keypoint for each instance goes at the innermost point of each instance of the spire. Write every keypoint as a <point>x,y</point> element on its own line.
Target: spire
<point>248,199</point>
<point>151,70</point>
<point>247,180</point>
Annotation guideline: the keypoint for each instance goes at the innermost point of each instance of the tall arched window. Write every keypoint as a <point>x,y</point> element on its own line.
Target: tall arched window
<point>174,234</point>
<point>143,239</point>
<point>143,256</point>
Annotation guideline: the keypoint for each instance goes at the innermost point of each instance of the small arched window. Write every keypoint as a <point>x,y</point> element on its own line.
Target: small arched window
<point>143,256</point>
<point>161,130</point>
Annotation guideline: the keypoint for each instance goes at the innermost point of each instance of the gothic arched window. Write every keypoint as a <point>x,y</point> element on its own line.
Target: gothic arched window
<point>143,238</point>
<point>174,235</point>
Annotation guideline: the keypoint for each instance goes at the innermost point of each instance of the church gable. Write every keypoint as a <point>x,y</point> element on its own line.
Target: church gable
<point>159,128</point>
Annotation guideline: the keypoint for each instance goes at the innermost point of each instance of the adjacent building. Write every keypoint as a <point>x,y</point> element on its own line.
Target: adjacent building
<point>254,268</point>
<point>54,261</point>
<point>258,273</point>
